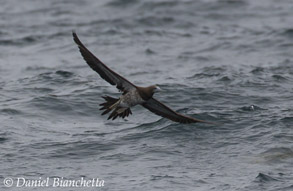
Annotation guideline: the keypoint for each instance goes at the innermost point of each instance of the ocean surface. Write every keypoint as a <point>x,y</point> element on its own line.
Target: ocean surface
<point>225,61</point>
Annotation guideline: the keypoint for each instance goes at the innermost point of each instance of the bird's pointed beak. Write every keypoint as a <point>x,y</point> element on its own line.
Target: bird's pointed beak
<point>158,89</point>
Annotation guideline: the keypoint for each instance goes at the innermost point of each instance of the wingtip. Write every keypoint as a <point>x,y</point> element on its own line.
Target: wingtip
<point>207,122</point>
<point>75,38</point>
<point>78,42</point>
<point>73,33</point>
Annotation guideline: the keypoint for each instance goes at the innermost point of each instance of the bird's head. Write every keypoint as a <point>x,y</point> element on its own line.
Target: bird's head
<point>148,92</point>
<point>154,89</point>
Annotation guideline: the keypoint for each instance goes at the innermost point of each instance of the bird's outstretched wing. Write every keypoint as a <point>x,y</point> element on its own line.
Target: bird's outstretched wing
<point>162,110</point>
<point>106,73</point>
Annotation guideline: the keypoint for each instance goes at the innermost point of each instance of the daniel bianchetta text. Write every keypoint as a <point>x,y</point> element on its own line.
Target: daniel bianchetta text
<point>53,182</point>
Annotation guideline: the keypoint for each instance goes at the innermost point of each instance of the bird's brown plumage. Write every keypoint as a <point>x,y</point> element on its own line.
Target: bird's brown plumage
<point>146,93</point>
<point>106,73</point>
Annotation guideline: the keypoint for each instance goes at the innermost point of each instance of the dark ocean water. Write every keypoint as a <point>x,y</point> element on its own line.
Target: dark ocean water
<point>225,61</point>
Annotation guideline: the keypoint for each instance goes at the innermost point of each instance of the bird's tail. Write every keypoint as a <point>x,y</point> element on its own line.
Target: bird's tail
<point>109,104</point>
<point>113,104</point>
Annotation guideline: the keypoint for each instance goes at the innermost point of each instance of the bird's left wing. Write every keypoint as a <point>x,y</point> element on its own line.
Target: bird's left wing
<point>162,110</point>
<point>106,73</point>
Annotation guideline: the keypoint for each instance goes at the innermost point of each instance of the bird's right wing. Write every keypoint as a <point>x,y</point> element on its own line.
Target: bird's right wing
<point>106,73</point>
<point>162,110</point>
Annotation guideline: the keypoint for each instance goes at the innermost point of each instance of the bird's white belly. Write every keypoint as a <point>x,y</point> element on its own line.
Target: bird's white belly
<point>130,99</point>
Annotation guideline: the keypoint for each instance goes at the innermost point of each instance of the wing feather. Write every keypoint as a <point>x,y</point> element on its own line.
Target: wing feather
<point>106,73</point>
<point>162,110</point>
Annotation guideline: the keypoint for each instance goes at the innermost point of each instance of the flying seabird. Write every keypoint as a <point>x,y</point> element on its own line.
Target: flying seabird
<point>131,94</point>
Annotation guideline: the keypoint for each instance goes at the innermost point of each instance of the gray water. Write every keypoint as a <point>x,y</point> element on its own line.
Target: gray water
<point>225,61</point>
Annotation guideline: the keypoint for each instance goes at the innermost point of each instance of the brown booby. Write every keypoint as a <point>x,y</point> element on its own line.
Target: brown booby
<point>131,94</point>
